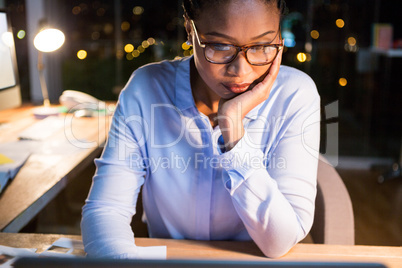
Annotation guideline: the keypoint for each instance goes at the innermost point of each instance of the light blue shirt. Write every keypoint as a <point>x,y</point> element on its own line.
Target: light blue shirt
<point>263,189</point>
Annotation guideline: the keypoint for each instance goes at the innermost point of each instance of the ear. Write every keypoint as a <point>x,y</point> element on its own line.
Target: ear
<point>187,25</point>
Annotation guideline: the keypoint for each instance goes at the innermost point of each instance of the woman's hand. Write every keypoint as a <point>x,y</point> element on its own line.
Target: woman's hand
<point>232,111</point>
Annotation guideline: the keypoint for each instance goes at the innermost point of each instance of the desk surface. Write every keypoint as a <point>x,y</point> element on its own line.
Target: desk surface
<point>43,176</point>
<point>233,250</point>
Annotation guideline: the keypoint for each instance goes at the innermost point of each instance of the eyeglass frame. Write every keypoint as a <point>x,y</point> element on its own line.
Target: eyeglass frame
<point>245,48</point>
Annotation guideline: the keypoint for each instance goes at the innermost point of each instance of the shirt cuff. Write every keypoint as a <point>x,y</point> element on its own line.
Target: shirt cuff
<point>240,162</point>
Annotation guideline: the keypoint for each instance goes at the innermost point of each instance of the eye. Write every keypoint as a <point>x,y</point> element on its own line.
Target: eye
<point>220,47</point>
<point>266,49</point>
<point>257,49</point>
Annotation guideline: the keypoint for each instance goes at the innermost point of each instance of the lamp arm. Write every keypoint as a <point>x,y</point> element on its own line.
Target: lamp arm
<point>42,80</point>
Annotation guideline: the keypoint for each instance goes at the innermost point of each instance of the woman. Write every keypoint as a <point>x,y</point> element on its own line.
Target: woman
<point>224,143</point>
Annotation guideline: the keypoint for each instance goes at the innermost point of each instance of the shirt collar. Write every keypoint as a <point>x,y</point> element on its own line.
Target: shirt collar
<point>184,97</point>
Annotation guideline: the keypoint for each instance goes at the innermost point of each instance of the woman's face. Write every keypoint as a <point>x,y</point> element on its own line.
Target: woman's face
<point>239,22</point>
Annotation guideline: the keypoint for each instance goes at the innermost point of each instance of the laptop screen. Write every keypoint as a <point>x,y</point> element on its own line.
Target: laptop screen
<point>45,262</point>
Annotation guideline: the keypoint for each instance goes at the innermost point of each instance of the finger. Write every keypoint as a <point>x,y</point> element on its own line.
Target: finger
<point>273,71</point>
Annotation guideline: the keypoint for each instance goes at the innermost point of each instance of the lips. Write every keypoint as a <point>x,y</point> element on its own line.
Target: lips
<point>237,88</point>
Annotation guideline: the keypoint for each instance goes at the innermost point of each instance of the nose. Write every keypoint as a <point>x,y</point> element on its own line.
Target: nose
<point>239,66</point>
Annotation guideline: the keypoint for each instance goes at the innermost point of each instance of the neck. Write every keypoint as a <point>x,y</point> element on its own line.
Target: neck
<point>206,100</point>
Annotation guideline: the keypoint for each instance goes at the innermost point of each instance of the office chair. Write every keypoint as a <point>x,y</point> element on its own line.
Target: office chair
<point>334,220</point>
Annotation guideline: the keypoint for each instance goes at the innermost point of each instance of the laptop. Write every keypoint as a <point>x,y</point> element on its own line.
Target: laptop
<point>44,262</point>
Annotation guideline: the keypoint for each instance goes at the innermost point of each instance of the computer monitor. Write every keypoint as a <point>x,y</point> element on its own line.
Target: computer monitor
<point>10,93</point>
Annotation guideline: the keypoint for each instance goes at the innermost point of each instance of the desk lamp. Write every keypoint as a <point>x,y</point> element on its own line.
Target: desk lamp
<point>47,40</point>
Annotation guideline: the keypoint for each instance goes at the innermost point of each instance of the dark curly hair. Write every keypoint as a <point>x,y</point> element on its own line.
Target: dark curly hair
<point>192,8</point>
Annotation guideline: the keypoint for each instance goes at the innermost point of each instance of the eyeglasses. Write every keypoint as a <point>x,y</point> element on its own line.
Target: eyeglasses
<point>225,53</point>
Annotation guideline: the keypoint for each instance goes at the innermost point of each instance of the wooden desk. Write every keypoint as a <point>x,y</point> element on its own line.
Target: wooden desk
<point>231,250</point>
<point>43,176</point>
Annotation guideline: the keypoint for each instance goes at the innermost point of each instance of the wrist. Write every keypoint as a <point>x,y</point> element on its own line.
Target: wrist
<point>232,132</point>
<point>230,120</point>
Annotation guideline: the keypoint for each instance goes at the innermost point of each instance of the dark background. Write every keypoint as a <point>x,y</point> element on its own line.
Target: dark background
<point>369,105</point>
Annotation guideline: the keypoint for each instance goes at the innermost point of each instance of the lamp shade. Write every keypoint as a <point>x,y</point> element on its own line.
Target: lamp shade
<point>49,40</point>
<point>7,39</point>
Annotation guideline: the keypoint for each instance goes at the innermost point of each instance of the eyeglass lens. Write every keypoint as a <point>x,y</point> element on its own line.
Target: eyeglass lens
<point>220,53</point>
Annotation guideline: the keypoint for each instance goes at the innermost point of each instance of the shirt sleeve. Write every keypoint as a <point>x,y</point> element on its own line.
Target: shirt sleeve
<point>274,192</point>
<point>111,203</point>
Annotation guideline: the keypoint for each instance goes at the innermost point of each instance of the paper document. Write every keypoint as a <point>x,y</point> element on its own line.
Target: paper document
<point>10,163</point>
<point>42,129</point>
<point>9,255</point>
<point>65,247</point>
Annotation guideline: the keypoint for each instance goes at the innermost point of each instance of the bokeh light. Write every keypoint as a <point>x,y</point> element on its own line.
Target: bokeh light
<point>95,35</point>
<point>128,48</point>
<point>340,23</point>
<point>138,10</point>
<point>343,82</point>
<point>185,46</point>
<point>151,41</point>
<point>108,28</point>
<point>129,56</point>
<point>315,34</point>
<point>82,54</point>
<point>21,34</point>
<point>135,53</point>
<point>119,54</point>
<point>125,26</point>
<point>100,12</point>
<point>141,49</point>
<point>352,41</point>
<point>301,57</point>
<point>145,44</point>
<point>76,10</point>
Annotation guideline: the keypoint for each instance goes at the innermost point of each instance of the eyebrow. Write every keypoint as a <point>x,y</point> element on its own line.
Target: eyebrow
<point>229,37</point>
